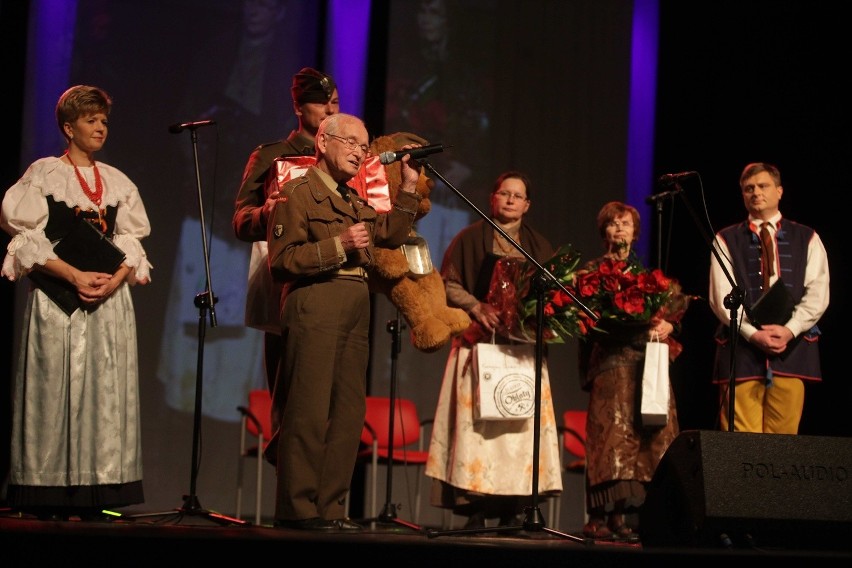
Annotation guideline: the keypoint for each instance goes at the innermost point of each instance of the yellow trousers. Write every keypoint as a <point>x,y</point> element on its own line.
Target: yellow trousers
<point>776,409</point>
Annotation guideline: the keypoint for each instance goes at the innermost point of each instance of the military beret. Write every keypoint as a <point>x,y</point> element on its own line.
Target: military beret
<point>312,86</point>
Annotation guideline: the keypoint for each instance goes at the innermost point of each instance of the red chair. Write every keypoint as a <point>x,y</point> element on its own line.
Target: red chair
<point>407,443</point>
<point>256,421</point>
<point>572,434</point>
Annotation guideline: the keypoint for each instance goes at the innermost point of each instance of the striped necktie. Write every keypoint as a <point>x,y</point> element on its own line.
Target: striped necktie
<point>767,253</point>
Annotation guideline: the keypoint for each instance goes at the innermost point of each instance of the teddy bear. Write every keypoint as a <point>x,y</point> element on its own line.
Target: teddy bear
<point>420,298</point>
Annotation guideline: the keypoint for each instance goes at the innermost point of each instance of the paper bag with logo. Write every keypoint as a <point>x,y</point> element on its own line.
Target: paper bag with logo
<point>655,384</point>
<point>504,381</point>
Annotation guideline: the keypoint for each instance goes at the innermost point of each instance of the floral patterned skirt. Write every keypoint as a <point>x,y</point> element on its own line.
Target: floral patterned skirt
<point>490,457</point>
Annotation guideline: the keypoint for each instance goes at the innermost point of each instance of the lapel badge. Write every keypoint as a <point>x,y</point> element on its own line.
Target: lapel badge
<point>278,230</point>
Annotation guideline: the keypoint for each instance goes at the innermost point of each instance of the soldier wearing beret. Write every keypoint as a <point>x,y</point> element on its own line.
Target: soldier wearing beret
<point>314,98</point>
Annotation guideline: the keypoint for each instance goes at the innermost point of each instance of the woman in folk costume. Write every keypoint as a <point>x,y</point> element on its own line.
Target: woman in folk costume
<point>483,468</point>
<point>76,445</point>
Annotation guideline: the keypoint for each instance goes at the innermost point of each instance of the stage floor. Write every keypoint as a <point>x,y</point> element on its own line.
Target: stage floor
<point>168,539</point>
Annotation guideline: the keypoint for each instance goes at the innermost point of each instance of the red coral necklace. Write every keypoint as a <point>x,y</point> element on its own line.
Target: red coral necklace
<point>98,193</point>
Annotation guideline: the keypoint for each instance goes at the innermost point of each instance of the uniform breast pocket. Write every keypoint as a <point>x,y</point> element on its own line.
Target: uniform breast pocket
<point>323,223</point>
<point>368,216</point>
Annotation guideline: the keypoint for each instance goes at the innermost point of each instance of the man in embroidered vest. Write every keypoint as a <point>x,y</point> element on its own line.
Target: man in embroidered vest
<point>782,351</point>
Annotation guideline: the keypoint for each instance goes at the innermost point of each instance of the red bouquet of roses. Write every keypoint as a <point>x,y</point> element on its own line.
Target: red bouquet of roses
<point>623,292</point>
<point>617,291</point>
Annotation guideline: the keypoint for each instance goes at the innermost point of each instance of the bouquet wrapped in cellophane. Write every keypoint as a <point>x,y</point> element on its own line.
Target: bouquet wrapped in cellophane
<point>616,291</point>
<point>512,293</point>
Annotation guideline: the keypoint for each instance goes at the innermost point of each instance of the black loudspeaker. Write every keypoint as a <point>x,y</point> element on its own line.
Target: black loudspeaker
<point>745,490</point>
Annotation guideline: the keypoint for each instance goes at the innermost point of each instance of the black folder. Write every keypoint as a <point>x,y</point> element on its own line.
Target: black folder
<point>775,306</point>
<point>85,248</point>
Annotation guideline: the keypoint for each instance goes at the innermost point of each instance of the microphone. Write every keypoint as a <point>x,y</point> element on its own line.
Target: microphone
<point>669,179</point>
<point>179,127</point>
<point>652,199</point>
<point>415,153</point>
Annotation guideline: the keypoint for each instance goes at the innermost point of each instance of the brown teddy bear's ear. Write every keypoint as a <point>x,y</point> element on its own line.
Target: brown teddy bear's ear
<point>392,142</point>
<point>403,138</point>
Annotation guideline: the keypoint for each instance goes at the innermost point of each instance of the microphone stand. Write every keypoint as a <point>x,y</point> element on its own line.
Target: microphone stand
<point>733,300</point>
<point>657,201</point>
<point>204,301</point>
<point>388,514</point>
<point>533,519</point>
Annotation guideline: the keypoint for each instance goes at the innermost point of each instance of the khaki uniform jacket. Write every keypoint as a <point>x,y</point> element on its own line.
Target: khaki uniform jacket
<point>308,218</point>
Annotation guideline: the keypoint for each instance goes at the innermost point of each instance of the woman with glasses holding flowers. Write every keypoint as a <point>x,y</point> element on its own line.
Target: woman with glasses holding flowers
<point>482,469</point>
<point>634,305</point>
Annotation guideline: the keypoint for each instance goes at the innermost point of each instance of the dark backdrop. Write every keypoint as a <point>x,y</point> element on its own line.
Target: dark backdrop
<point>742,82</point>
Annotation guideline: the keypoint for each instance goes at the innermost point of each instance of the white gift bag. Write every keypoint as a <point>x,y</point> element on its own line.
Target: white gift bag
<point>655,384</point>
<point>504,381</point>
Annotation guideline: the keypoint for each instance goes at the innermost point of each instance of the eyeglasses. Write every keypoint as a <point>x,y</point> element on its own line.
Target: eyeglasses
<point>617,224</point>
<point>506,195</point>
<point>352,144</point>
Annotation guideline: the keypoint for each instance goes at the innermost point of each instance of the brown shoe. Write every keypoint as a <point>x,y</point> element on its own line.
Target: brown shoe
<point>597,529</point>
<point>618,527</point>
<point>347,524</point>
<point>312,524</point>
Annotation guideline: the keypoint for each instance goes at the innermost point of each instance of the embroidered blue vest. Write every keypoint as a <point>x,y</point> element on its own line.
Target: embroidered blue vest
<point>802,361</point>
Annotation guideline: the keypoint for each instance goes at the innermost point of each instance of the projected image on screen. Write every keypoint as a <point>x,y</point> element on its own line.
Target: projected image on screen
<point>445,98</point>
<point>230,63</point>
<point>241,78</point>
